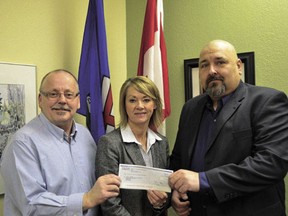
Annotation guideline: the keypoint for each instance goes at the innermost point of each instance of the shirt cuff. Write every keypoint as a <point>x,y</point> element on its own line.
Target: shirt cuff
<point>74,205</point>
<point>204,184</point>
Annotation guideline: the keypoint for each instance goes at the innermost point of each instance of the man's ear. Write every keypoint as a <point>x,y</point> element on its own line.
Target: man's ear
<point>239,66</point>
<point>39,97</point>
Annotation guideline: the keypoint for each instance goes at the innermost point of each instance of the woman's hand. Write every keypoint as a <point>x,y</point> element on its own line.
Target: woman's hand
<point>157,198</point>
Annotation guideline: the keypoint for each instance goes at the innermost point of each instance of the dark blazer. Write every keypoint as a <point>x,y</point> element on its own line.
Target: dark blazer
<point>111,151</point>
<point>247,157</point>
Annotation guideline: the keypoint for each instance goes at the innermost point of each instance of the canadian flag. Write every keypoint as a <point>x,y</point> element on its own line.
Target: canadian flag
<point>153,56</point>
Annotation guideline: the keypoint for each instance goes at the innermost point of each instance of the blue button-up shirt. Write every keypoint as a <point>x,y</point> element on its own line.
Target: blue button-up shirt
<point>45,173</point>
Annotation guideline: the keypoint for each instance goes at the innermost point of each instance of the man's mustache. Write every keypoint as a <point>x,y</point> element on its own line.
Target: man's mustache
<point>61,108</point>
<point>213,78</point>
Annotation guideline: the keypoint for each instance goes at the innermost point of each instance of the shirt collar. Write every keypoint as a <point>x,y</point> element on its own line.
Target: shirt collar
<point>128,136</point>
<point>56,131</point>
<point>221,101</point>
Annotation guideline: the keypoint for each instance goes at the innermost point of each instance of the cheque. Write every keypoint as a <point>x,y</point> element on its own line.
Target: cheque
<point>144,178</point>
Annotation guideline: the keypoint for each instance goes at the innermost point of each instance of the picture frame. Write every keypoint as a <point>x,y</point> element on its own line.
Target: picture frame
<point>17,100</point>
<point>191,74</point>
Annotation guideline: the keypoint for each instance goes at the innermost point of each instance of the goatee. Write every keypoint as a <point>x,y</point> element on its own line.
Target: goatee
<point>216,90</point>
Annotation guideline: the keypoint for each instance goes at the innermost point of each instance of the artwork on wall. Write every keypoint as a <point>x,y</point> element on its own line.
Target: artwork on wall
<point>17,100</point>
<point>191,74</point>
<point>12,109</point>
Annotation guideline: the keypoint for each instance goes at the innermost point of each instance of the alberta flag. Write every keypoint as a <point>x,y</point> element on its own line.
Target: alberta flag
<point>94,77</point>
<point>153,57</point>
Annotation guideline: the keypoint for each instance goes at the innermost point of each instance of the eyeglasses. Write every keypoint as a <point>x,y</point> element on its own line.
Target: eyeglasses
<point>56,95</point>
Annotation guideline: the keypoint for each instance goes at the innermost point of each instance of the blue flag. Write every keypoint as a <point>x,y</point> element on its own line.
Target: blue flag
<point>94,76</point>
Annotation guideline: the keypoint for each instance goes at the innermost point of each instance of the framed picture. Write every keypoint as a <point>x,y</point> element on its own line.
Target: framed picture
<point>191,74</point>
<point>17,100</point>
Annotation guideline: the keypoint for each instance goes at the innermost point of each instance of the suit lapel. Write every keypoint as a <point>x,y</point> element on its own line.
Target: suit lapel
<point>156,154</point>
<point>193,129</point>
<point>134,153</point>
<point>227,111</point>
<point>136,157</point>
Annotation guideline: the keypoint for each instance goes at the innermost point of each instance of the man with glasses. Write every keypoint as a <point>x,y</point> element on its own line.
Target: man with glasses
<point>48,166</point>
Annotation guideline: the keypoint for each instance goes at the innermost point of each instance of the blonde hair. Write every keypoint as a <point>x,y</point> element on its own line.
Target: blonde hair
<point>147,87</point>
